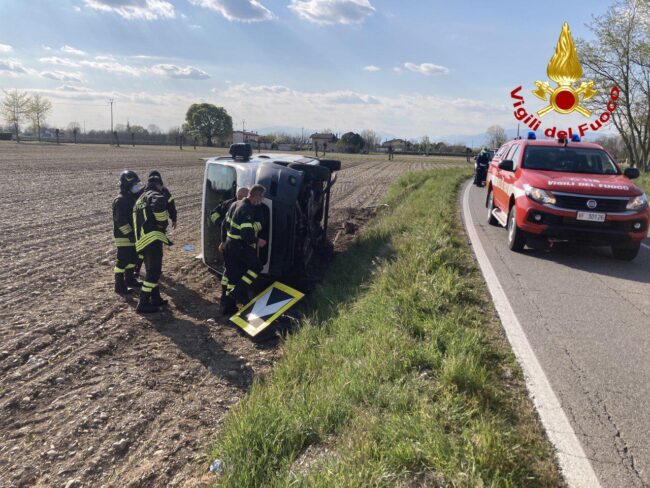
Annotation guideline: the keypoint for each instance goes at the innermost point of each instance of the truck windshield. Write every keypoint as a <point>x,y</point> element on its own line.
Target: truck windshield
<point>569,160</point>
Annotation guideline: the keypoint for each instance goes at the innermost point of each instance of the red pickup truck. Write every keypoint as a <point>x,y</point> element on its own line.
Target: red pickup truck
<point>561,190</point>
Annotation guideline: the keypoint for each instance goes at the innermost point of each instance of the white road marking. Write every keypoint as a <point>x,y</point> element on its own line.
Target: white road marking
<point>645,245</point>
<point>575,466</point>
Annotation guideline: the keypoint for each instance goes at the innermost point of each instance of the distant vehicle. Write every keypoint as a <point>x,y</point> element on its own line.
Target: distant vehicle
<point>296,206</point>
<point>565,191</point>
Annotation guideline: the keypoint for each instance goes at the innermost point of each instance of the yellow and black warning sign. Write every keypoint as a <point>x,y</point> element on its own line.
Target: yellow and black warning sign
<point>262,310</point>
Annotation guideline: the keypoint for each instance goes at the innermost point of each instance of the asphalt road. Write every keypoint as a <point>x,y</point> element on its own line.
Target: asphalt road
<point>587,319</point>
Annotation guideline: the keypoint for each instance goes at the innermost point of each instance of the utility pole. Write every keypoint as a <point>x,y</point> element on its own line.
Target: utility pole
<point>111,101</point>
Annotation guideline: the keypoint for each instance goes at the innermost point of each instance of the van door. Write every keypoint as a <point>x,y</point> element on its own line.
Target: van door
<point>220,184</point>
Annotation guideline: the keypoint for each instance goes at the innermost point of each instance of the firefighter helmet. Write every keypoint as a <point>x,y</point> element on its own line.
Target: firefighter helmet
<point>155,173</point>
<point>128,178</point>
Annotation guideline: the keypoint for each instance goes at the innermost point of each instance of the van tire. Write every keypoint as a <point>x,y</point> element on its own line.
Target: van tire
<point>491,219</point>
<point>331,164</point>
<point>311,171</point>
<point>516,236</point>
<point>626,253</point>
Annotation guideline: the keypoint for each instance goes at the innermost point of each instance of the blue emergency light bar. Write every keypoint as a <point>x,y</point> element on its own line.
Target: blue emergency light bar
<point>575,138</point>
<point>532,136</point>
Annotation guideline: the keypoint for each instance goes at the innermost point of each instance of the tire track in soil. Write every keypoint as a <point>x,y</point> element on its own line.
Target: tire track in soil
<point>89,389</point>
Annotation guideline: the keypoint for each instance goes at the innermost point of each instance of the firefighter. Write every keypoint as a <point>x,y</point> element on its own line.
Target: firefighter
<point>171,208</point>
<point>217,217</point>
<point>219,212</point>
<point>239,231</point>
<point>150,219</point>
<point>123,236</point>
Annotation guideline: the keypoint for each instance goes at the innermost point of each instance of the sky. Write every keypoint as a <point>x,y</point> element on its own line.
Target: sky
<point>404,68</point>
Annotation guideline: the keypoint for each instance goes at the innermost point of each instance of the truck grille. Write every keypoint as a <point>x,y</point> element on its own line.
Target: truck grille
<point>579,202</point>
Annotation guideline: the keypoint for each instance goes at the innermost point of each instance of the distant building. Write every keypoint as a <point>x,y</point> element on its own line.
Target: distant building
<point>239,136</point>
<point>318,141</point>
<point>399,145</point>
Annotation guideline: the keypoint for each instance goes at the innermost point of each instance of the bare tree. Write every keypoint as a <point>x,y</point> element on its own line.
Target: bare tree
<point>14,108</point>
<point>425,145</point>
<point>620,55</point>
<point>37,110</point>
<point>496,136</point>
<point>153,129</point>
<point>372,139</point>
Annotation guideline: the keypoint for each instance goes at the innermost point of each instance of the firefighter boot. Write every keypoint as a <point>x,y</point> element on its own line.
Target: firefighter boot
<point>120,285</point>
<point>145,305</point>
<point>129,279</point>
<point>156,299</point>
<point>228,306</point>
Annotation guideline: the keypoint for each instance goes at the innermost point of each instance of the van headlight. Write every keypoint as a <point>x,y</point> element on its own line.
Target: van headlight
<point>638,203</point>
<point>540,196</point>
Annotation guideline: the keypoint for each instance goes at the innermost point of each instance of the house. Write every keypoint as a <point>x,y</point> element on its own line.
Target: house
<point>399,145</point>
<point>320,141</point>
<point>239,136</point>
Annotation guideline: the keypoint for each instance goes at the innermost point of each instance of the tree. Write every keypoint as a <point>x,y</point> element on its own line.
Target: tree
<point>371,138</point>
<point>620,55</point>
<point>14,108</point>
<point>350,142</point>
<point>37,110</point>
<point>153,129</point>
<point>496,136</point>
<point>425,145</point>
<point>209,121</point>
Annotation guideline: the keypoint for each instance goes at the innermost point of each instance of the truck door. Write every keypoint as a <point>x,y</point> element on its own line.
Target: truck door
<point>220,184</point>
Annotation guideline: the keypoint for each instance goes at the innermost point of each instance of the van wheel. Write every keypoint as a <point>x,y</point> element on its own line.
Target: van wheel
<point>627,253</point>
<point>312,172</point>
<point>491,219</point>
<point>516,236</point>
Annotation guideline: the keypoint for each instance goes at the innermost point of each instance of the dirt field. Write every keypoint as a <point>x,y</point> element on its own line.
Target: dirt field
<point>92,394</point>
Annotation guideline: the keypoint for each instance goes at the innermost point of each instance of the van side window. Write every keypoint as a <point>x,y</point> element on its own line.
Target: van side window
<point>502,150</point>
<point>514,155</point>
<point>510,152</point>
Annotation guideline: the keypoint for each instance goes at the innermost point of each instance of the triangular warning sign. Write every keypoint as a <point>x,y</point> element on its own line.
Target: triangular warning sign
<point>258,314</point>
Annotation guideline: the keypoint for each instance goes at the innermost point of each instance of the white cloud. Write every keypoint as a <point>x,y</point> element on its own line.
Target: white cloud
<point>71,50</point>
<point>333,11</point>
<point>405,115</point>
<point>112,67</point>
<point>238,10</point>
<point>5,48</point>
<point>371,68</point>
<point>59,62</point>
<point>427,69</point>
<point>135,9</point>
<point>186,73</point>
<point>398,70</point>
<point>71,88</point>
<point>64,76</point>
<point>12,67</point>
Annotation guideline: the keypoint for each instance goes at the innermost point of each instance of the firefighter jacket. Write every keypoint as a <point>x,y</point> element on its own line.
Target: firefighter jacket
<point>242,223</point>
<point>220,210</point>
<point>123,235</point>
<point>150,215</point>
<point>171,203</point>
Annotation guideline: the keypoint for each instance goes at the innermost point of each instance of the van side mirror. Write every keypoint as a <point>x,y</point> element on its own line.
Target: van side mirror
<point>632,173</point>
<point>507,165</point>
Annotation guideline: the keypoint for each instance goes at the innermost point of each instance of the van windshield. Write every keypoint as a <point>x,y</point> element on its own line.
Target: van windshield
<point>569,159</point>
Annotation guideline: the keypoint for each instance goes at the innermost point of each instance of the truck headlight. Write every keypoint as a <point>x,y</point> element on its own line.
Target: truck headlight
<point>539,195</point>
<point>638,203</point>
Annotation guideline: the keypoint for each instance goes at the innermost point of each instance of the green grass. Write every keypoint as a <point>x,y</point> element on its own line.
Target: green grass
<point>402,376</point>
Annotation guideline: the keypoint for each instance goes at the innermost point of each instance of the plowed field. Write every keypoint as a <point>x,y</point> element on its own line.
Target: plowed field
<point>89,390</point>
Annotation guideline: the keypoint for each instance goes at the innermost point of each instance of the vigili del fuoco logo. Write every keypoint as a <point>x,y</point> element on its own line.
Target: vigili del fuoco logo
<point>565,97</point>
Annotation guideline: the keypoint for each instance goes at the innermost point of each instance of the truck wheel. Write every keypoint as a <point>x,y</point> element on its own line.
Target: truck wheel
<point>627,253</point>
<point>491,219</point>
<point>313,172</point>
<point>516,236</point>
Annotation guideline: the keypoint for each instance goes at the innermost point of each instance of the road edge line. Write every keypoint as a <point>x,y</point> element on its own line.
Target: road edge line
<point>576,468</point>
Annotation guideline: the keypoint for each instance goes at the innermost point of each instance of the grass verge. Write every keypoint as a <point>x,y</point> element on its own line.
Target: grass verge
<point>401,378</point>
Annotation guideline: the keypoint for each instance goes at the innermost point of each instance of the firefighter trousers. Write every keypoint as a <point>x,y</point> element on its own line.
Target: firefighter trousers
<point>242,269</point>
<point>153,258</point>
<point>126,259</point>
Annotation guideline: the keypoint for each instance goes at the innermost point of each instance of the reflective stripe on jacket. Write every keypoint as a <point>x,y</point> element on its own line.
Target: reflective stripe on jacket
<point>150,216</point>
<point>242,222</point>
<point>123,235</point>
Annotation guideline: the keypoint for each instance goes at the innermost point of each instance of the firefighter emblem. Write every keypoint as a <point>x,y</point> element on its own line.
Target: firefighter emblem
<point>564,69</point>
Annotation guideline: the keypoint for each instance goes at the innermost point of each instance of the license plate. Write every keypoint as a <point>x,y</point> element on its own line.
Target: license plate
<point>591,216</point>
